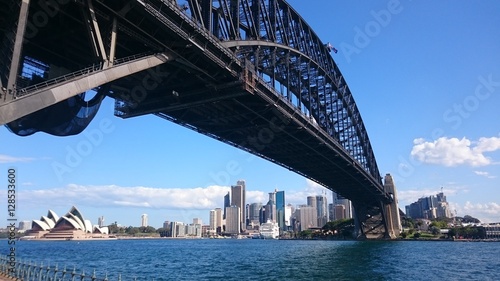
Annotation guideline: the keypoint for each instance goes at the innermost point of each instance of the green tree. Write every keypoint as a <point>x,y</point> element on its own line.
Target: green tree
<point>404,235</point>
<point>435,230</point>
<point>416,235</point>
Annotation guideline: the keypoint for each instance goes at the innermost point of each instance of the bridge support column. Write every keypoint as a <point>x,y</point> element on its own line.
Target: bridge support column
<point>16,54</point>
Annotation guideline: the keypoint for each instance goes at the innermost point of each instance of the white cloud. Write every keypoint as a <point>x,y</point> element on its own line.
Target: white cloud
<point>453,151</point>
<point>152,197</point>
<point>484,174</point>
<point>11,159</point>
<point>485,212</point>
<point>139,196</point>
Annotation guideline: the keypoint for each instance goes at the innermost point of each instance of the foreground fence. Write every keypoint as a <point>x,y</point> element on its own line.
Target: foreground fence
<point>28,271</point>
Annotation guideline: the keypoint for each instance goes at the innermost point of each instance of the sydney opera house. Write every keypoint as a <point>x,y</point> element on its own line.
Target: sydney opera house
<point>71,226</point>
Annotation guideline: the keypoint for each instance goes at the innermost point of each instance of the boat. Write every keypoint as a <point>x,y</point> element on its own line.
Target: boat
<point>269,230</point>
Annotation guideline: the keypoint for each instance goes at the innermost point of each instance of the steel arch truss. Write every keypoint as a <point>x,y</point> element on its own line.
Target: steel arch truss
<point>292,59</point>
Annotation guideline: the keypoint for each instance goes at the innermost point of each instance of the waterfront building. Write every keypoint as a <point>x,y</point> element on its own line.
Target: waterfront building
<point>144,220</point>
<point>322,210</point>
<point>24,226</point>
<point>233,220</point>
<point>194,230</point>
<point>215,226</point>
<point>431,207</point>
<point>306,217</point>
<point>70,226</point>
<point>254,215</point>
<point>340,200</point>
<point>178,229</point>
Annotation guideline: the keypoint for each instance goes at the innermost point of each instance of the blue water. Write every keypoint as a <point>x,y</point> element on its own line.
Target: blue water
<point>248,259</point>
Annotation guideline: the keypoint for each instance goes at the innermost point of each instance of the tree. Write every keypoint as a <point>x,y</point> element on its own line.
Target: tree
<point>469,219</point>
<point>435,230</point>
<point>416,235</point>
<point>404,235</point>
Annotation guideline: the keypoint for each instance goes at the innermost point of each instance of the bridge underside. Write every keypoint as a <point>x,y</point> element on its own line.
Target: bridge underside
<point>199,84</point>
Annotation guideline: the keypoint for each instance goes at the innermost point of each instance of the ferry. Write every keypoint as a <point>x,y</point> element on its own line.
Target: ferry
<point>269,230</point>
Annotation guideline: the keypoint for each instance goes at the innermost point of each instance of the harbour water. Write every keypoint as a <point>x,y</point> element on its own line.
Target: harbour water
<point>250,259</point>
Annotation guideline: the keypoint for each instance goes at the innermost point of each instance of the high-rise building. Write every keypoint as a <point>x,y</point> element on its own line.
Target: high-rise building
<point>431,207</point>
<point>339,212</point>
<point>270,214</point>
<point>233,220</point>
<point>197,221</point>
<point>178,229</point>
<point>340,200</point>
<point>144,220</point>
<point>306,217</point>
<point>288,216</point>
<point>253,213</point>
<point>227,203</point>
<point>24,226</point>
<point>280,209</point>
<point>322,210</point>
<point>215,225</point>
<point>238,199</point>
<point>100,221</point>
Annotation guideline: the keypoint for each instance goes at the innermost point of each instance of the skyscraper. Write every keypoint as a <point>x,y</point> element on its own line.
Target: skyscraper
<point>144,220</point>
<point>215,225</point>
<point>233,220</point>
<point>306,217</point>
<point>227,203</point>
<point>280,209</point>
<point>238,200</point>
<point>322,210</point>
<point>100,221</point>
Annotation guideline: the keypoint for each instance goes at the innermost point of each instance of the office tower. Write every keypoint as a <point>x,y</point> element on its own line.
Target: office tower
<point>238,199</point>
<point>233,220</point>
<point>270,214</point>
<point>212,221</point>
<point>322,210</point>
<point>243,202</point>
<point>197,221</point>
<point>280,209</point>
<point>24,226</point>
<point>253,213</point>
<point>178,229</point>
<point>215,225</point>
<point>339,212</point>
<point>306,217</point>
<point>311,201</point>
<point>340,200</point>
<point>144,220</point>
<point>227,203</point>
<point>100,221</point>
<point>288,217</point>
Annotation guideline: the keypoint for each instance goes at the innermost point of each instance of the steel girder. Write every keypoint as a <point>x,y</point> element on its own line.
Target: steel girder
<point>291,58</point>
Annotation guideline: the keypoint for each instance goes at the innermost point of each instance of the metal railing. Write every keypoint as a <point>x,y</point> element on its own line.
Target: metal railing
<point>86,71</point>
<point>18,269</point>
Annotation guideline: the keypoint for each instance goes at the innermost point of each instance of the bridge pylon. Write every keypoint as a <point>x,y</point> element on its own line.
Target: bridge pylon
<point>378,222</point>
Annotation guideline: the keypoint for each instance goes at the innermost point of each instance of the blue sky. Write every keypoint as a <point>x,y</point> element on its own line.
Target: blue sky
<point>424,74</point>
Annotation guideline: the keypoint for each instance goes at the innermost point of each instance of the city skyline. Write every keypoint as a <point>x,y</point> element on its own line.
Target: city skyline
<point>428,92</point>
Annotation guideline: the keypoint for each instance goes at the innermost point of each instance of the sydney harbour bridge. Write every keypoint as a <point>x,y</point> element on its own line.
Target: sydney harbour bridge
<point>250,73</point>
